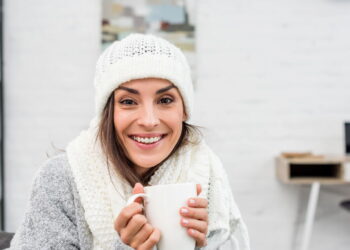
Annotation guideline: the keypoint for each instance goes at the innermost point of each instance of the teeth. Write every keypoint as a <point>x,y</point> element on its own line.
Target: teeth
<point>146,140</point>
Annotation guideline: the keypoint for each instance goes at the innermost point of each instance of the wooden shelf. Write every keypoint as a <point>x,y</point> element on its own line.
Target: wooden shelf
<point>309,169</point>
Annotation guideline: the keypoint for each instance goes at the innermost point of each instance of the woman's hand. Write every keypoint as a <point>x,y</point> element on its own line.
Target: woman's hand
<point>133,227</point>
<point>195,218</point>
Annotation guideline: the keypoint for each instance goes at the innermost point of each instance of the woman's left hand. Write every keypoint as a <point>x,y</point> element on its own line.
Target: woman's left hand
<point>195,218</point>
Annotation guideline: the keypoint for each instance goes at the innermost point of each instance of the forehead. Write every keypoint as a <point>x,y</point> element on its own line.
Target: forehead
<point>147,86</point>
<point>147,82</point>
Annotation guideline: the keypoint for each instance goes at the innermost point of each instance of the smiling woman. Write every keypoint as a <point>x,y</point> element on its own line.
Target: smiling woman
<point>148,123</point>
<point>140,136</point>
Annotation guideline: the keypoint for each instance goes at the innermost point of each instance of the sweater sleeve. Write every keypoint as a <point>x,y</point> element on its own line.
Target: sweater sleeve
<point>50,221</point>
<point>237,240</point>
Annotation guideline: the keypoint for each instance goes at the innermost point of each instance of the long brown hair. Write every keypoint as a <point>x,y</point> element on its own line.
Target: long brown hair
<point>116,152</point>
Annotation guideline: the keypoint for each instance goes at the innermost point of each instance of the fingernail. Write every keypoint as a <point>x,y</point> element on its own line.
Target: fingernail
<point>192,201</point>
<point>185,221</point>
<point>184,210</point>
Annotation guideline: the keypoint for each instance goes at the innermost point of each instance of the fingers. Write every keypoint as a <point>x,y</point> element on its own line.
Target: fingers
<point>199,225</point>
<point>199,188</point>
<point>138,188</point>
<point>195,219</point>
<point>152,240</point>
<point>134,226</point>
<point>126,214</point>
<point>198,202</point>
<point>194,213</point>
<point>198,236</point>
<point>142,235</point>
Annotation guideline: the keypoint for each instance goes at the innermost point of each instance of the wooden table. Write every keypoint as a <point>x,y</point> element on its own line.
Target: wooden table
<point>314,171</point>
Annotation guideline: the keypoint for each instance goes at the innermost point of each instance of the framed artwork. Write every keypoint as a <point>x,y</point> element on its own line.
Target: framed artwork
<point>173,20</point>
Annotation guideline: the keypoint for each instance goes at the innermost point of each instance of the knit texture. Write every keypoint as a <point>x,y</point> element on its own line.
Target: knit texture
<point>55,217</point>
<point>142,56</point>
<point>104,193</point>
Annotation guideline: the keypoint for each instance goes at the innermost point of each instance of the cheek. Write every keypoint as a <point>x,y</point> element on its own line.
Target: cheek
<point>120,122</point>
<point>175,121</point>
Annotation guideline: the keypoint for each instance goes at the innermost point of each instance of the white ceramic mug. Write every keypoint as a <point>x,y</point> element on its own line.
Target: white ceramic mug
<point>162,206</point>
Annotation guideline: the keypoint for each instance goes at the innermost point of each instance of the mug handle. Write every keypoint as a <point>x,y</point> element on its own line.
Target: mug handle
<point>134,197</point>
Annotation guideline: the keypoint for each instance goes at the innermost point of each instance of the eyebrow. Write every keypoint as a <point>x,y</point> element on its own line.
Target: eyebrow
<point>134,91</point>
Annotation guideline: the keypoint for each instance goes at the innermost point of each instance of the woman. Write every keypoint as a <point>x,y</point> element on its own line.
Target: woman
<point>138,137</point>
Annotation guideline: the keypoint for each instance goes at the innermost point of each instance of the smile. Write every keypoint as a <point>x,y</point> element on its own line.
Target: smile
<point>147,140</point>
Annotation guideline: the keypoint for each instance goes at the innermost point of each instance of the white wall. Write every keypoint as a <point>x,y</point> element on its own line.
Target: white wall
<point>50,49</point>
<point>272,76</point>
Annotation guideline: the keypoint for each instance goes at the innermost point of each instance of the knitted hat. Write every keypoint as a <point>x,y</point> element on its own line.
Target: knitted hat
<point>141,56</point>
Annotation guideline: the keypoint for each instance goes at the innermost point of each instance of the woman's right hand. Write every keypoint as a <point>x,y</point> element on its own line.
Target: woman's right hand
<point>133,227</point>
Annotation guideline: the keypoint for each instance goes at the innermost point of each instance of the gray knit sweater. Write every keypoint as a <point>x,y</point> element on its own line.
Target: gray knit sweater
<point>55,216</point>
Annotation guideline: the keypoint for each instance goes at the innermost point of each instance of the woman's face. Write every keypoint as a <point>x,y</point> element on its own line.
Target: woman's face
<point>148,116</point>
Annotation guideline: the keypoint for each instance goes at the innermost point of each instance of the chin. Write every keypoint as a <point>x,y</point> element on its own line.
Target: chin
<point>147,164</point>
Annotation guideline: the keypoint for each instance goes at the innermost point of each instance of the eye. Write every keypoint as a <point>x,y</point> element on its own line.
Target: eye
<point>127,102</point>
<point>166,100</point>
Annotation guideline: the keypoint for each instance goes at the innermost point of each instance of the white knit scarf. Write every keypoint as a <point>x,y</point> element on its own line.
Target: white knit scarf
<point>103,192</point>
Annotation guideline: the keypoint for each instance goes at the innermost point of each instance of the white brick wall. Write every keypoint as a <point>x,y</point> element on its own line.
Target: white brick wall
<point>272,76</point>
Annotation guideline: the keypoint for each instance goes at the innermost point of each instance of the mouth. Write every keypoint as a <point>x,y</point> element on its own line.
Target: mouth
<point>147,139</point>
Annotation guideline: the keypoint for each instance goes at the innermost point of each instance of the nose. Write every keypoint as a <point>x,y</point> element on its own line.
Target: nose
<point>148,117</point>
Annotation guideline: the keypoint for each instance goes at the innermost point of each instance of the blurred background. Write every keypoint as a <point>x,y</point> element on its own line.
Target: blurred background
<point>271,76</point>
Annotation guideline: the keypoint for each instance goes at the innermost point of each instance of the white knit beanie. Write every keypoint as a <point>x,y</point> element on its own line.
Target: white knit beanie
<point>142,56</point>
